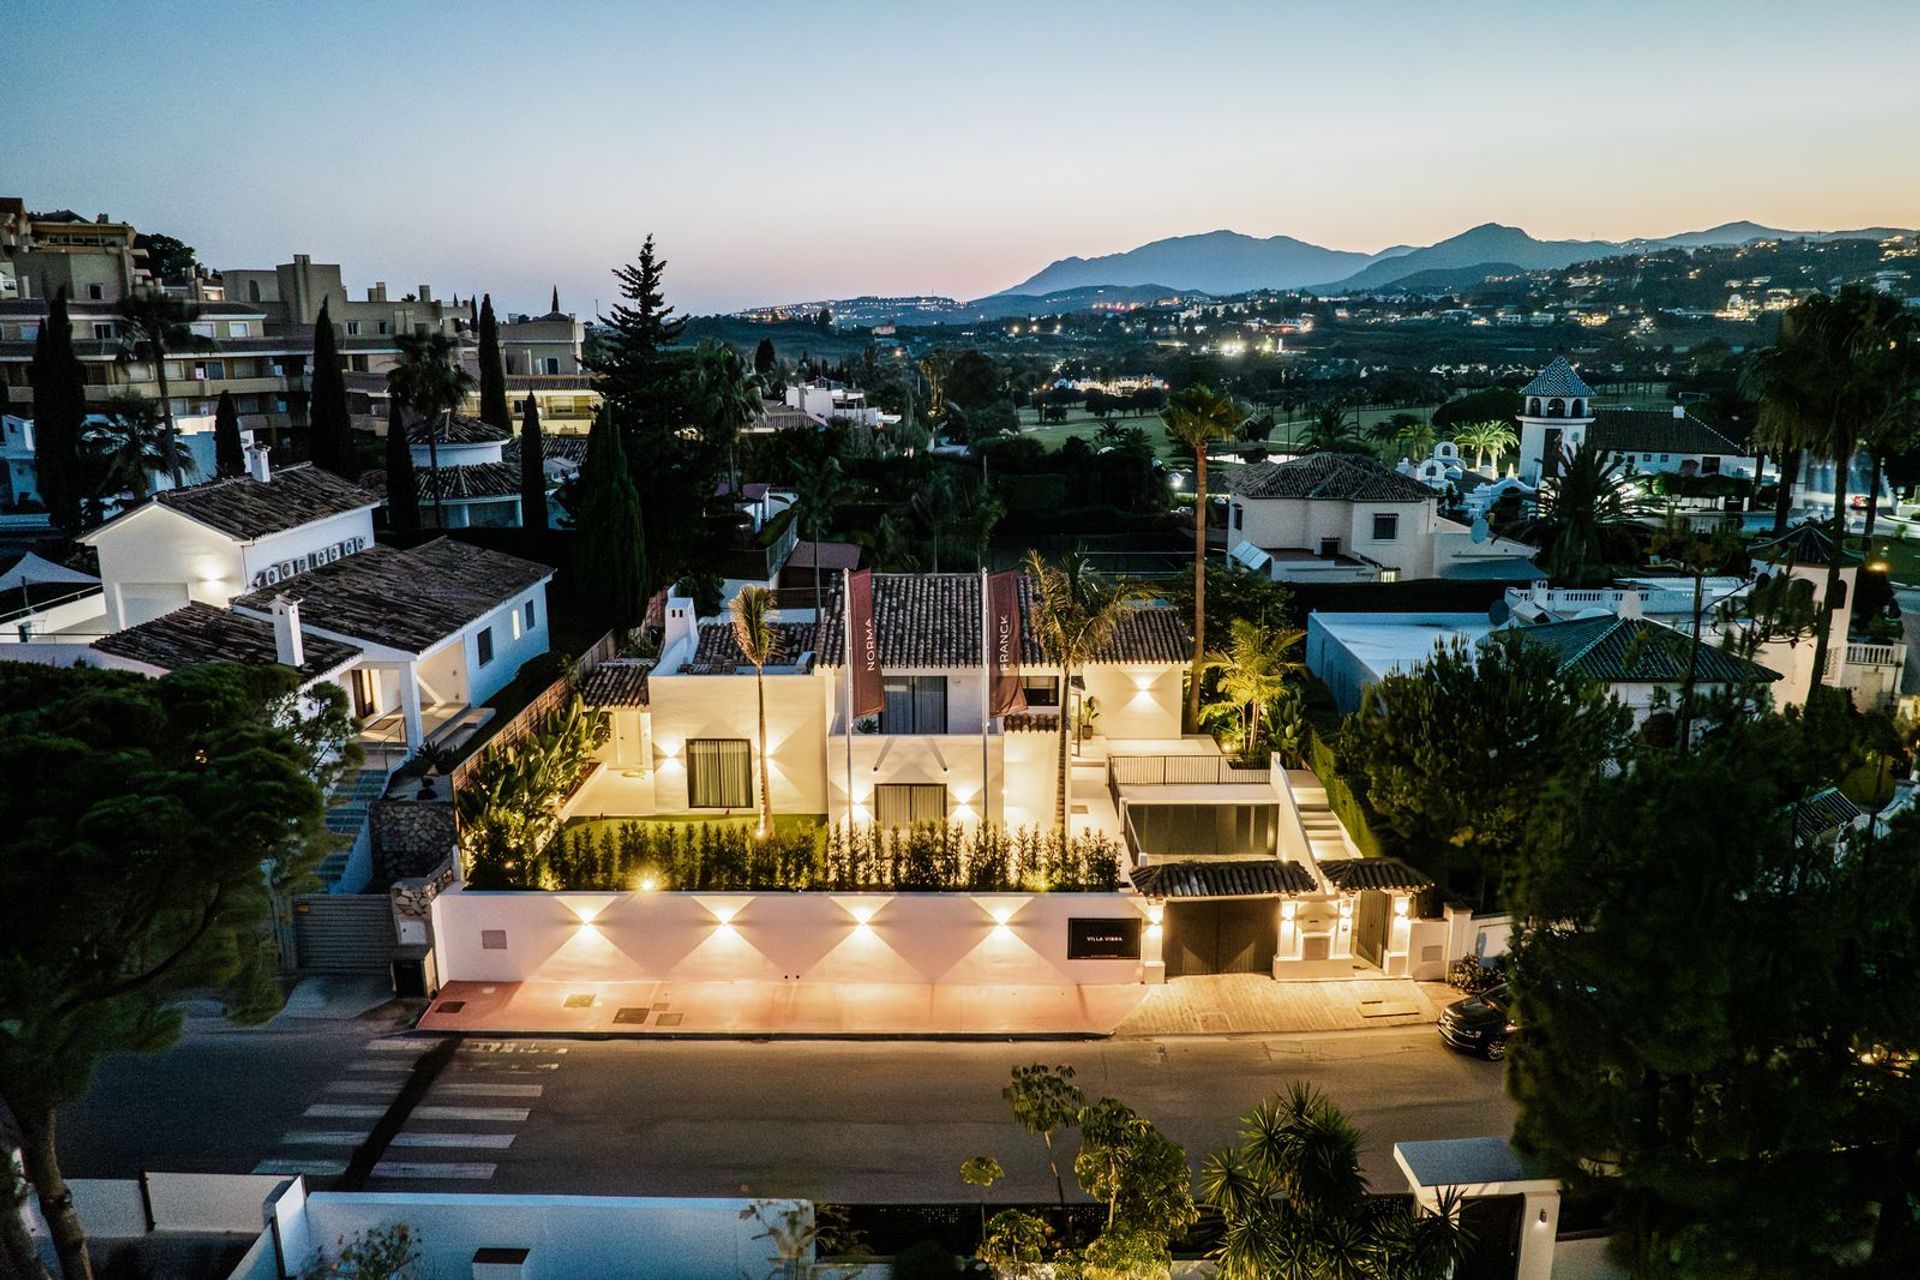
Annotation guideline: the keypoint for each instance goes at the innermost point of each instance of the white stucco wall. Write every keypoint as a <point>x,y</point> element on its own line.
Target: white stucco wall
<point>1011,938</point>
<point>1305,523</point>
<point>726,706</point>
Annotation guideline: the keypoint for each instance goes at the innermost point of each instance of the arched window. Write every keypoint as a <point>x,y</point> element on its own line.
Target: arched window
<point>1555,408</point>
<point>1578,409</point>
<point>1533,407</point>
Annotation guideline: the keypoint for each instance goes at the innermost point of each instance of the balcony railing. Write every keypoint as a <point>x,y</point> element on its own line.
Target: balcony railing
<point>1186,770</point>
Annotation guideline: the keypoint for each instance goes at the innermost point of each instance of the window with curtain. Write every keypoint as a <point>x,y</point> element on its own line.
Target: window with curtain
<point>719,773</point>
<point>901,804</point>
<point>915,704</point>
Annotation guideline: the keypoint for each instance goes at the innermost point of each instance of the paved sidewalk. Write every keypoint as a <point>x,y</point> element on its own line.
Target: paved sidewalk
<point>1220,1005</point>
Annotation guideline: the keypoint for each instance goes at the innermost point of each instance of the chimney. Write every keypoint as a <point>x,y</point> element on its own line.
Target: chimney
<point>426,294</point>
<point>1679,411</point>
<point>500,1264</point>
<point>289,647</point>
<point>257,466</point>
<point>378,293</point>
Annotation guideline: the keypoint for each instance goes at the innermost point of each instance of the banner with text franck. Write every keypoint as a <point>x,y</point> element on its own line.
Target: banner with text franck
<point>1007,693</point>
<point>863,647</point>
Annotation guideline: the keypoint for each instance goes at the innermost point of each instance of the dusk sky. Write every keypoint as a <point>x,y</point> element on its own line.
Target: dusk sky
<point>782,152</point>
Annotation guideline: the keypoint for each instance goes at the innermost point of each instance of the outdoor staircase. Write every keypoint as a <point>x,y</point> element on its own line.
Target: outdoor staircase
<point>348,808</point>
<point>1326,837</point>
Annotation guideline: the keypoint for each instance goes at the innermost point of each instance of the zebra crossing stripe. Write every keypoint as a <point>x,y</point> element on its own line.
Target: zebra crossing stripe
<point>343,1111</point>
<point>364,1086</point>
<point>324,1137</point>
<point>313,1168</point>
<point>427,1169</point>
<point>491,1090</point>
<point>497,1141</point>
<point>510,1115</point>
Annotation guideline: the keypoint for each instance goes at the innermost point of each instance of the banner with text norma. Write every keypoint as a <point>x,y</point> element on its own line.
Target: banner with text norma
<point>1003,639</point>
<point>863,646</point>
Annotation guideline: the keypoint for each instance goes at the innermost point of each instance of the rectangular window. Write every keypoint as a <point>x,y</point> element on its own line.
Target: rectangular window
<point>915,704</point>
<point>353,328</point>
<point>902,804</point>
<point>1386,526</point>
<point>719,773</point>
<point>484,641</point>
<point>102,331</point>
<point>95,292</point>
<point>1239,516</point>
<point>384,328</point>
<point>240,329</point>
<point>553,365</point>
<point>1042,691</point>
<point>532,616</point>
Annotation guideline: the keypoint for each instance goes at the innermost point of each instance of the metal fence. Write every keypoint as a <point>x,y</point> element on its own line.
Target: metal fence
<point>1187,770</point>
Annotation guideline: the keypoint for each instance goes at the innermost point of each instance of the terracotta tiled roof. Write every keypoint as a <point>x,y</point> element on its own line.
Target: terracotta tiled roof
<point>1557,379</point>
<point>933,620</point>
<point>456,430</point>
<point>1636,650</point>
<point>1351,875</point>
<point>1247,878</point>
<point>408,600</point>
<point>242,507</point>
<point>621,682</point>
<point>1332,477</point>
<point>195,635</point>
<point>718,652</point>
<point>1658,431</point>
<point>1805,543</point>
<point>479,480</point>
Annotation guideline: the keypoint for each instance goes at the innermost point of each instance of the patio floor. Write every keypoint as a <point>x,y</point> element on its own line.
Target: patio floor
<point>1224,1004</point>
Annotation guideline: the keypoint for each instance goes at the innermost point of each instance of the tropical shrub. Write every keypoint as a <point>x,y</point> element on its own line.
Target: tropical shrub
<point>510,804</point>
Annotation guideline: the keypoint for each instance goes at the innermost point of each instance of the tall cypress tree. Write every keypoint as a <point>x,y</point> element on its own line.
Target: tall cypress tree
<point>329,428</point>
<point>611,551</point>
<point>763,360</point>
<point>493,371</point>
<point>229,452</point>
<point>403,491</point>
<point>553,307</point>
<point>59,414</point>
<point>533,469</point>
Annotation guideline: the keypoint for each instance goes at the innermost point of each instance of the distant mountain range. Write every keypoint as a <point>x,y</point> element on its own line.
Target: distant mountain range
<point>1226,262</point>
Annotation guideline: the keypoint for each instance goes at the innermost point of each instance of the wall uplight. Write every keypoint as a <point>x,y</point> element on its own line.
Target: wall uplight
<point>1346,908</point>
<point>649,883</point>
<point>1156,912</point>
<point>1401,906</point>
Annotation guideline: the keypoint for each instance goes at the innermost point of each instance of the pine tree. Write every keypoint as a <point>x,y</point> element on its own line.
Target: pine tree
<point>640,328</point>
<point>403,492</point>
<point>59,413</point>
<point>329,428</point>
<point>229,451</point>
<point>533,469</point>
<point>610,556</point>
<point>493,370</point>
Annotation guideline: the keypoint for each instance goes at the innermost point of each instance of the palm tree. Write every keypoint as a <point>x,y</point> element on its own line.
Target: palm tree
<point>1294,1203</point>
<point>753,632</point>
<point>428,380</point>
<point>1330,432</point>
<point>1486,439</point>
<point>1253,675</point>
<point>1418,439</point>
<point>1584,509</point>
<point>1073,614</point>
<point>1195,416</point>
<point>156,323</point>
<point>1840,372</point>
<point>129,443</point>
<point>729,401</point>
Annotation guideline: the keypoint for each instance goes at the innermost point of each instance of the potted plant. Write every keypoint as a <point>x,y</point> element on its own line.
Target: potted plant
<point>430,759</point>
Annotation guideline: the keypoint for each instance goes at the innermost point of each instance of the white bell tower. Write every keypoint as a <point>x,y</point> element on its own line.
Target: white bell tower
<point>1556,409</point>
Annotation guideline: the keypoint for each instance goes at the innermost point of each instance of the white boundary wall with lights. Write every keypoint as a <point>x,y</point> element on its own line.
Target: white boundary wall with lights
<point>959,938</point>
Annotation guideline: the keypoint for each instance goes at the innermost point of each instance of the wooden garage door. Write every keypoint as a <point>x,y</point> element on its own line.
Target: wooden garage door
<point>1228,935</point>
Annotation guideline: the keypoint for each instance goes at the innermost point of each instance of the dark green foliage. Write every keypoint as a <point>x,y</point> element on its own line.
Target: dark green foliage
<point>728,856</point>
<point>763,358</point>
<point>1723,1012</point>
<point>329,427</point>
<point>493,371</point>
<point>928,1260</point>
<point>1494,404</point>
<point>533,468</point>
<point>229,451</point>
<point>1454,756</point>
<point>403,488</point>
<point>610,552</point>
<point>59,414</point>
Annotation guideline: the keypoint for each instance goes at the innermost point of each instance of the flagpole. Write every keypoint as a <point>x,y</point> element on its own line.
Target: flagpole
<point>986,700</point>
<point>846,632</point>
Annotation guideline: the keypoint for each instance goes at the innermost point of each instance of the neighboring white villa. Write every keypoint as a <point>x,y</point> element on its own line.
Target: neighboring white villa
<point>1338,517</point>
<point>478,484</point>
<point>1558,415</point>
<point>826,401</point>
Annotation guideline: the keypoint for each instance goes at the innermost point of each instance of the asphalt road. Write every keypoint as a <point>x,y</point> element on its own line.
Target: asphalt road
<point>880,1123</point>
<point>865,1122</point>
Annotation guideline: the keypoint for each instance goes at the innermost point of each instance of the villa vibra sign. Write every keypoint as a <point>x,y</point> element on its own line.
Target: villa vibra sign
<point>281,570</point>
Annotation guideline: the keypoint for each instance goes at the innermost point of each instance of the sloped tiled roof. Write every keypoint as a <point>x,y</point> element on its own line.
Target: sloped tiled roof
<point>409,600</point>
<point>562,446</point>
<point>933,620</point>
<point>1351,875</point>
<point>478,480</point>
<point>1246,878</point>
<point>1333,477</point>
<point>1658,431</point>
<point>196,634</point>
<point>1823,812</point>
<point>718,650</point>
<point>456,430</point>
<point>1636,650</point>
<point>1557,379</point>
<point>621,682</point>
<point>242,507</point>
<point>1806,543</point>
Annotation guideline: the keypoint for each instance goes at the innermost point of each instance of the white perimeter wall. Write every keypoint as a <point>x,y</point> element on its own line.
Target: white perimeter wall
<point>808,937</point>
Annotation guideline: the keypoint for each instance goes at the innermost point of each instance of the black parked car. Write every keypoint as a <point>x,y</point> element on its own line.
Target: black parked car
<point>1480,1023</point>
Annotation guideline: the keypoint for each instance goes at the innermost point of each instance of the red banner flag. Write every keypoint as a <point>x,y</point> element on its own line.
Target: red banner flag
<point>863,646</point>
<point>1005,690</point>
